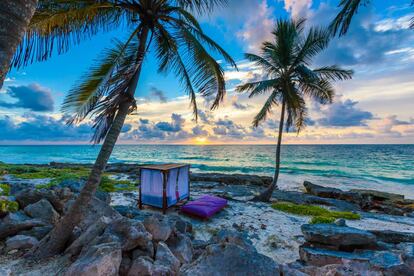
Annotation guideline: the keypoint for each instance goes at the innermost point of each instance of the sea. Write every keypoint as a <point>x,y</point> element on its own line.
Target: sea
<point>388,168</point>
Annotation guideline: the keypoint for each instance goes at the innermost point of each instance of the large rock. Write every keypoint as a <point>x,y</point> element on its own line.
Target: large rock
<point>408,254</point>
<point>181,246</point>
<point>57,197</point>
<point>159,227</point>
<point>231,259</point>
<point>390,236</point>
<point>88,235</point>
<point>131,234</point>
<point>14,223</point>
<point>96,209</point>
<point>100,259</point>
<point>329,192</point>
<point>142,266</point>
<point>42,210</point>
<point>338,236</point>
<point>38,232</point>
<point>164,257</point>
<point>321,257</point>
<point>387,262</point>
<point>21,242</point>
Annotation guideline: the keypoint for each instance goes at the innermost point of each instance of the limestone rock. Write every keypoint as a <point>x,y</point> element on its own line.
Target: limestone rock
<point>231,259</point>
<point>141,266</point>
<point>159,227</point>
<point>57,197</point>
<point>38,232</point>
<point>164,257</point>
<point>101,259</point>
<point>131,234</point>
<point>20,242</point>
<point>88,235</point>
<point>42,210</point>
<point>181,246</point>
<point>14,223</point>
<point>331,234</point>
<point>390,236</point>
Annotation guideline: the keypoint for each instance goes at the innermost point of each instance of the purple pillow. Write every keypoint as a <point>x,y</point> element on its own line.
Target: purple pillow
<point>205,206</point>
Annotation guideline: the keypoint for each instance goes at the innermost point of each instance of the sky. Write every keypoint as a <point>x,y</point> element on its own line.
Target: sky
<point>376,106</point>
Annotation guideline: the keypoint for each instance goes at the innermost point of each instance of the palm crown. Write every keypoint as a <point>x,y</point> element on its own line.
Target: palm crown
<point>175,37</point>
<point>285,63</point>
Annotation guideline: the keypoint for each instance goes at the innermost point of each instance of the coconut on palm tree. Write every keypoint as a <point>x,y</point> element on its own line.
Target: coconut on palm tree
<point>290,81</point>
<point>105,94</point>
<point>15,16</point>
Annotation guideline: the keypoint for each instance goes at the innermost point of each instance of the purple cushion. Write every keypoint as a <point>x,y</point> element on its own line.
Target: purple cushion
<point>205,206</point>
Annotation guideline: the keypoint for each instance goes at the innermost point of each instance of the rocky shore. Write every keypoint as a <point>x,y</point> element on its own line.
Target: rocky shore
<point>374,237</point>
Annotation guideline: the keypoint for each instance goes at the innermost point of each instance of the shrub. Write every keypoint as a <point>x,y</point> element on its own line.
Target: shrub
<point>321,219</point>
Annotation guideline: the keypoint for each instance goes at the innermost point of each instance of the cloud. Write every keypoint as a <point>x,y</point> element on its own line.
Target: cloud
<point>159,131</point>
<point>240,106</point>
<point>42,128</point>
<point>32,97</point>
<point>258,26</point>
<point>199,131</point>
<point>226,127</point>
<point>298,8</point>
<point>344,114</point>
<point>389,24</point>
<point>157,93</point>
<point>176,124</point>
<point>368,42</point>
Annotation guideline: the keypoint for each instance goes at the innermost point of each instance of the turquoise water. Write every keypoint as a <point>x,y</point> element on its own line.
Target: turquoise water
<point>381,167</point>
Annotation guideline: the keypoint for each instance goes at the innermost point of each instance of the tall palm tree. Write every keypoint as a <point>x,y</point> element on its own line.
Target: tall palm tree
<point>290,81</point>
<point>348,9</point>
<point>15,16</point>
<point>106,93</point>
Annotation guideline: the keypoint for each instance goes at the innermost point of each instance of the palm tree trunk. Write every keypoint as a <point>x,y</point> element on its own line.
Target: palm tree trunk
<point>55,241</point>
<point>267,194</point>
<point>15,16</point>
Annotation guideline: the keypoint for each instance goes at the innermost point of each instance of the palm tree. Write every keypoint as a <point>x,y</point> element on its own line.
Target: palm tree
<point>289,80</point>
<point>15,16</point>
<point>344,18</point>
<point>106,93</point>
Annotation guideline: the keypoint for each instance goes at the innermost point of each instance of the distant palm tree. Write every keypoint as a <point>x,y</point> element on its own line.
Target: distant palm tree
<point>15,16</point>
<point>106,92</point>
<point>343,20</point>
<point>289,79</point>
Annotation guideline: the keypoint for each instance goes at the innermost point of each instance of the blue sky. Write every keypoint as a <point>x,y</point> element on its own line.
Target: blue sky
<point>375,107</point>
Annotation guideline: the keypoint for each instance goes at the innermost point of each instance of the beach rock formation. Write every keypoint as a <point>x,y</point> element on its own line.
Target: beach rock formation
<point>367,200</point>
<point>329,247</point>
<point>338,236</point>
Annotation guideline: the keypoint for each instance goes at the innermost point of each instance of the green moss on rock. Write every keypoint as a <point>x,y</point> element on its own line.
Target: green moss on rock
<point>8,206</point>
<point>321,219</point>
<point>319,214</point>
<point>4,189</point>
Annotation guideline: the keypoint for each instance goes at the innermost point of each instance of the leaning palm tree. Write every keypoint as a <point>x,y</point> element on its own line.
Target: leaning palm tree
<point>15,16</point>
<point>285,62</point>
<point>349,8</point>
<point>106,93</point>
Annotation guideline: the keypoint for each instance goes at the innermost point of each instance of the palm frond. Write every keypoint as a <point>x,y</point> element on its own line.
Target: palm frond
<point>317,39</point>
<point>259,87</point>
<point>200,6</point>
<point>333,73</point>
<point>58,25</point>
<point>259,61</point>
<point>170,59</point>
<point>267,108</point>
<point>342,21</point>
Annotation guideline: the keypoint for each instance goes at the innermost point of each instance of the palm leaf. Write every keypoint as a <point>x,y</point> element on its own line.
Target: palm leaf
<point>342,21</point>
<point>267,108</point>
<point>58,25</point>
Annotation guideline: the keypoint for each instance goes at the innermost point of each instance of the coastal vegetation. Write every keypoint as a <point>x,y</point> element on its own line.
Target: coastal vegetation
<point>109,182</point>
<point>290,81</point>
<point>318,214</point>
